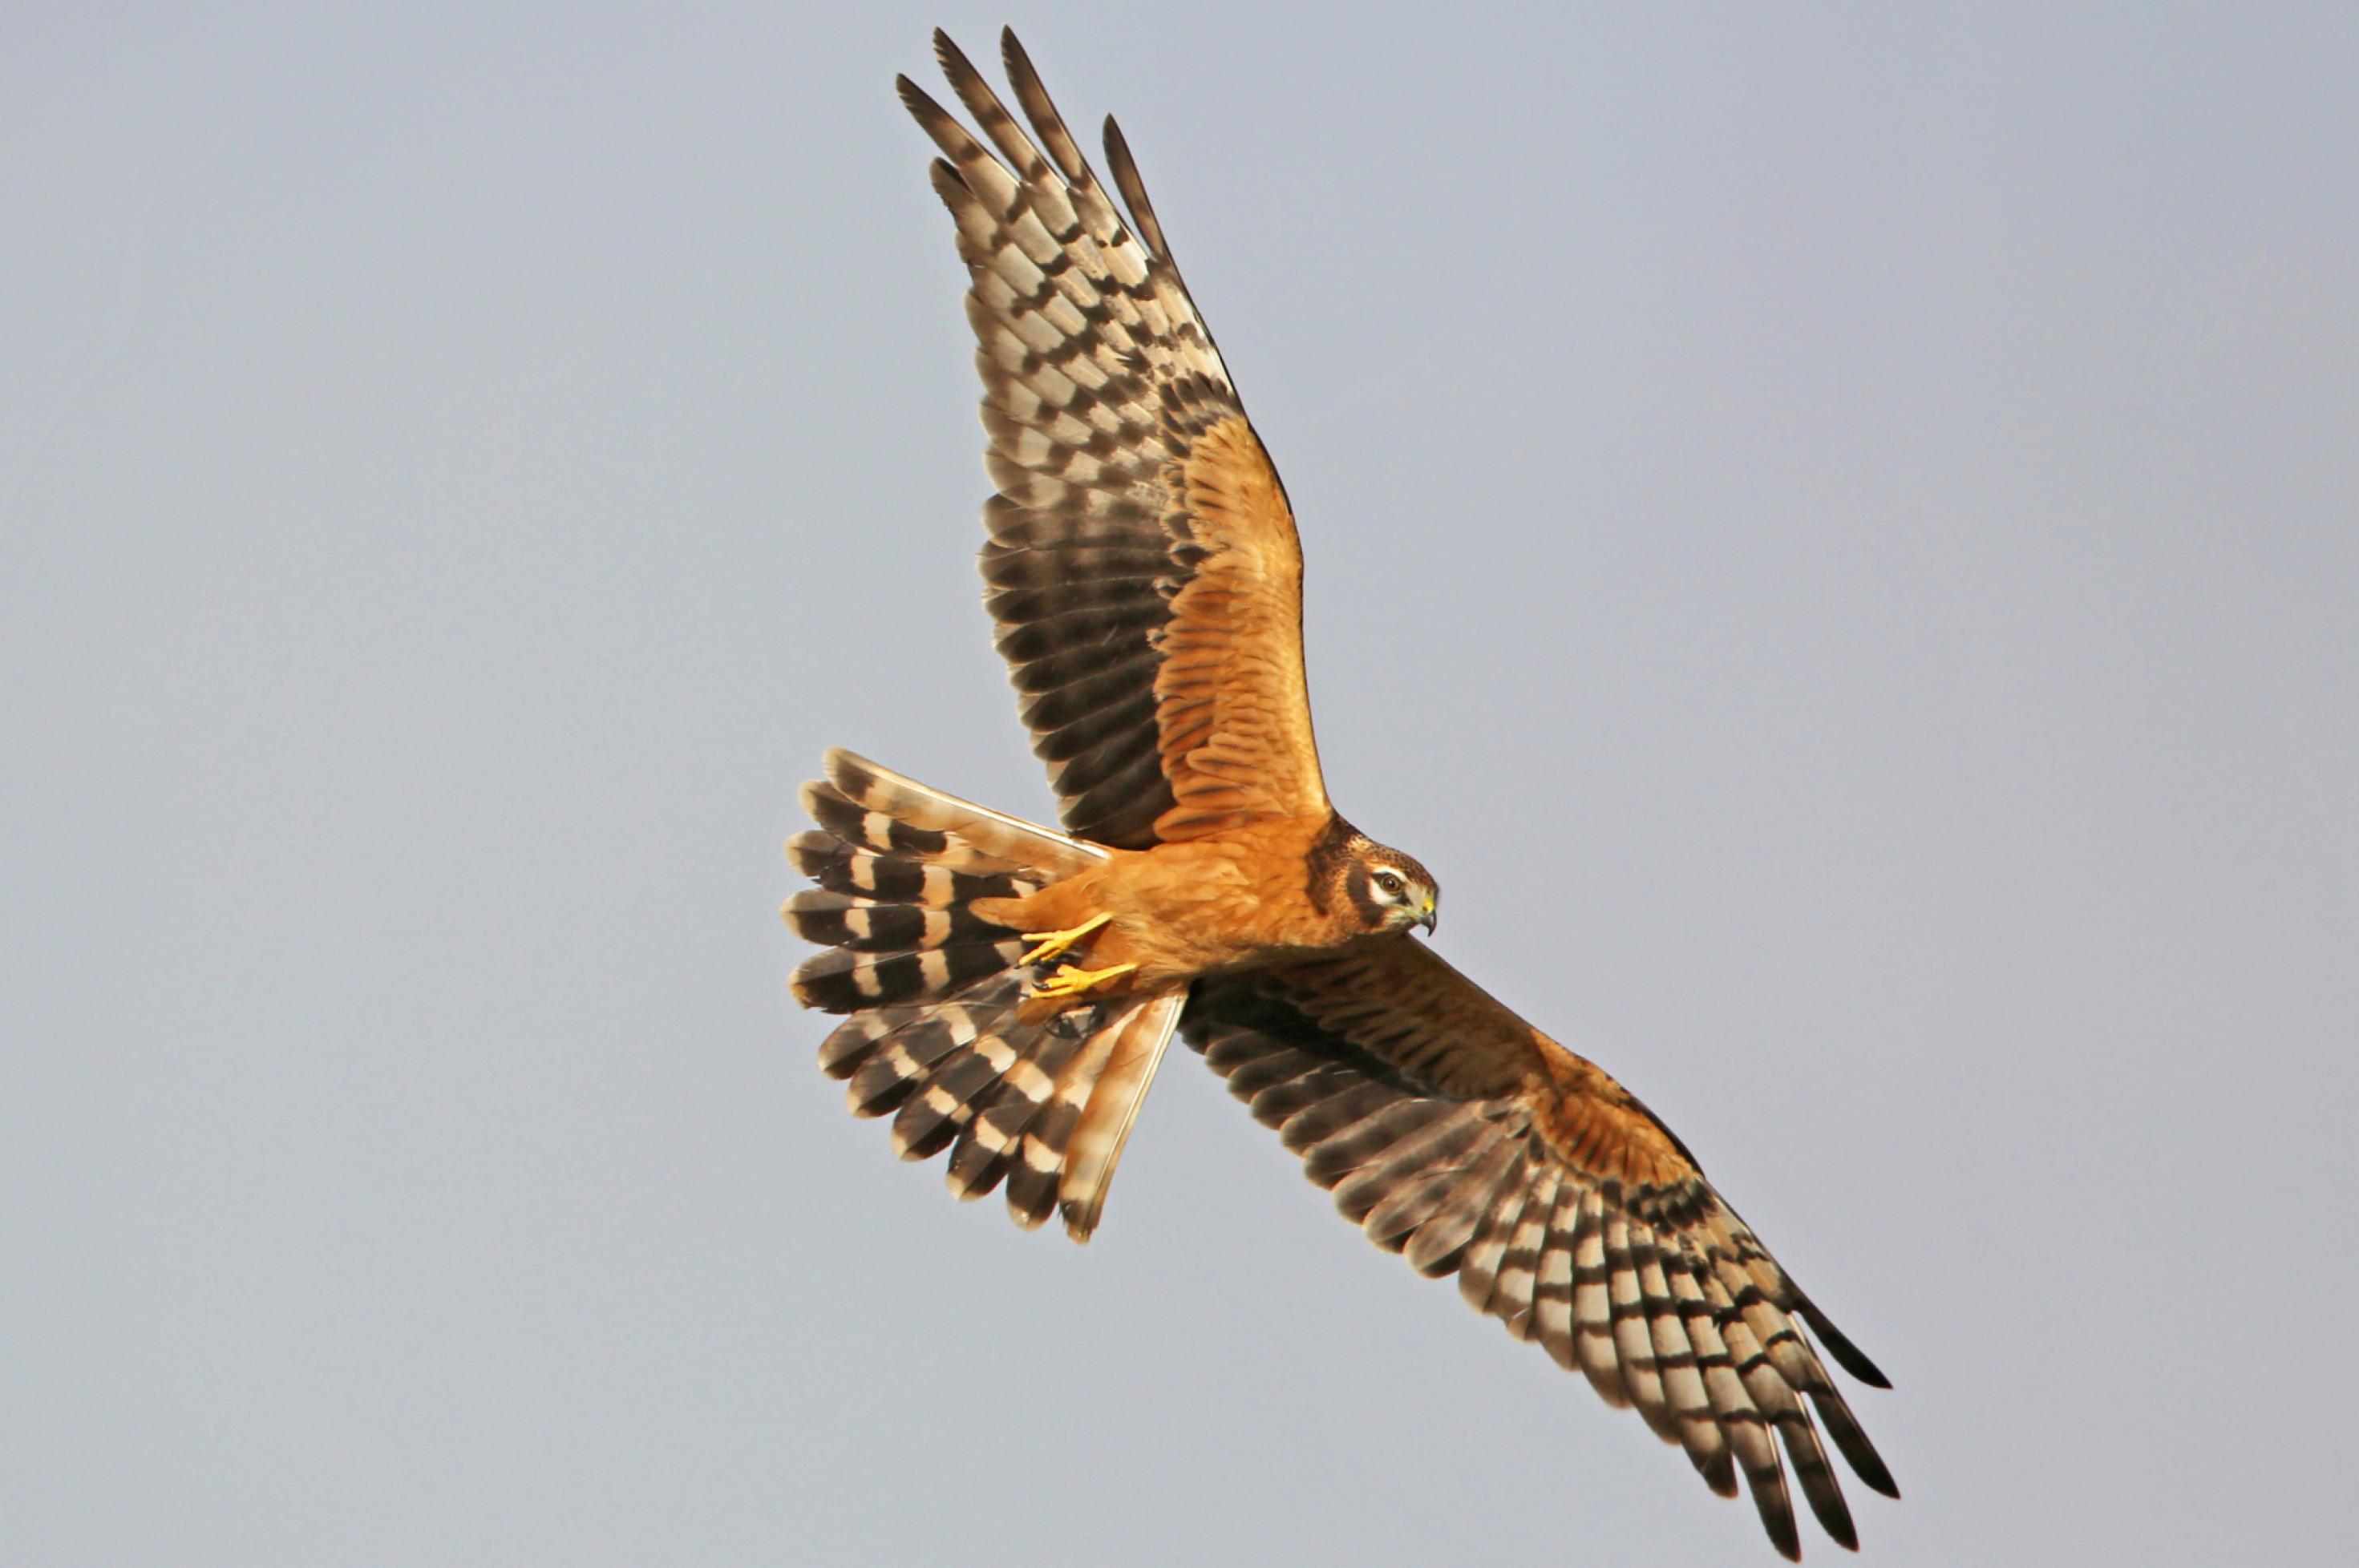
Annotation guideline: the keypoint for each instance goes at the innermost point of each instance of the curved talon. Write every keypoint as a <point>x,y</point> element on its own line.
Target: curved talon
<point>1051,943</point>
<point>1072,982</point>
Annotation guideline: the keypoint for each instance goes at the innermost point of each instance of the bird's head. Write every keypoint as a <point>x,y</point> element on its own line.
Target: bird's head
<point>1389,891</point>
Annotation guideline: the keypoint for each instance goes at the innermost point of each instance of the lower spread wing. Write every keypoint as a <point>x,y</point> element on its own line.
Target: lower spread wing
<point>1452,1132</point>
<point>1143,568</point>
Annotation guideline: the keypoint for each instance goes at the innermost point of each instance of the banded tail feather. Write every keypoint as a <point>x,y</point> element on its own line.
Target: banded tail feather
<point>931,991</point>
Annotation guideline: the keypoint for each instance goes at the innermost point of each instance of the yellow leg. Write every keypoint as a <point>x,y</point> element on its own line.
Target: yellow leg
<point>1053,943</point>
<point>1070,983</point>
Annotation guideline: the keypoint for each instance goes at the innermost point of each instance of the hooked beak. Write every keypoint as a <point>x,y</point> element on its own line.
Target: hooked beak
<point>1432,918</point>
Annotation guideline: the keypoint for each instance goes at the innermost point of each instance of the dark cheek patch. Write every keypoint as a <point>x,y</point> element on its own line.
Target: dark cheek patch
<point>1372,914</point>
<point>1329,862</point>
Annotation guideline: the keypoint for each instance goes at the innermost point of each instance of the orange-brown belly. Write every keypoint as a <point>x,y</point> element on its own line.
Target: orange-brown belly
<point>1177,911</point>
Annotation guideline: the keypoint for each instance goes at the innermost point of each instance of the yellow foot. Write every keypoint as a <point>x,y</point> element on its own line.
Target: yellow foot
<point>1053,943</point>
<point>1072,982</point>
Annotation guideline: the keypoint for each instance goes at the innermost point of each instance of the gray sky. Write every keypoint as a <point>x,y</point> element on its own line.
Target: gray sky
<point>1835,535</point>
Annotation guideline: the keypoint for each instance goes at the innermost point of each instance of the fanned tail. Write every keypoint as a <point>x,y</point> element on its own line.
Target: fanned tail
<point>931,990</point>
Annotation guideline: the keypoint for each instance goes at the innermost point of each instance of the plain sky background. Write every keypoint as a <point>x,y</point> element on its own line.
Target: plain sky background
<point>1833,530</point>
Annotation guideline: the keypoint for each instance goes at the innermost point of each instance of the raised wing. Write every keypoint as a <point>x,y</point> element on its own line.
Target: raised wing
<point>1455,1133</point>
<point>1143,568</point>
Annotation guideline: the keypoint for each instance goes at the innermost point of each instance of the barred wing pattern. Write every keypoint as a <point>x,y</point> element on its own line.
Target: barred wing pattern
<point>1142,567</point>
<point>1454,1132</point>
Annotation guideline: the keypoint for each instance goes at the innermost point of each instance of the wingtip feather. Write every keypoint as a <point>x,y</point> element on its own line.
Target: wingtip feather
<point>1849,1357</point>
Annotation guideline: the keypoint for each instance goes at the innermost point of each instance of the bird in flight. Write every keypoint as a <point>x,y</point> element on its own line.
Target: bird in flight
<point>1009,990</point>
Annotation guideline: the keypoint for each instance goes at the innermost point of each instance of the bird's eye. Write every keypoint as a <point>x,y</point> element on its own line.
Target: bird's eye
<point>1389,883</point>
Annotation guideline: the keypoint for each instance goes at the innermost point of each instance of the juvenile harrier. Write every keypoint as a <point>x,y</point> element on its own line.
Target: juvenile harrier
<point>1011,989</point>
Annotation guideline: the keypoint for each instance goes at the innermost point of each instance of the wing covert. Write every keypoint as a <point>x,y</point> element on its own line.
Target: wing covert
<point>1454,1132</point>
<point>1142,568</point>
